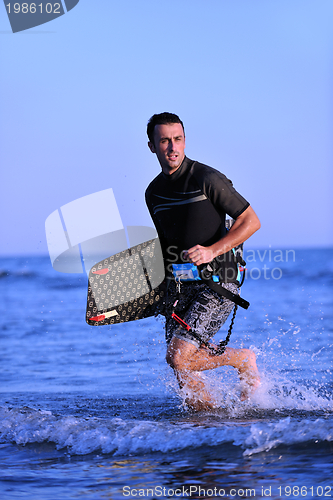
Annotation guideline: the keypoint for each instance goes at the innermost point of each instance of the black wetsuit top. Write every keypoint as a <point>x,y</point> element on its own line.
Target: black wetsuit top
<point>189,207</point>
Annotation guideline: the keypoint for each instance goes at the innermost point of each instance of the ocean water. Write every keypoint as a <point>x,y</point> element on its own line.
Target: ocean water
<point>93,412</point>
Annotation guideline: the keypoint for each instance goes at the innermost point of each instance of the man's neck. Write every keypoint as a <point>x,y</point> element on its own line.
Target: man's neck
<point>168,170</point>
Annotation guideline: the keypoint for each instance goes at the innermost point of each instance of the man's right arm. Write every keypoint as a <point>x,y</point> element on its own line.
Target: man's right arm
<point>246,224</point>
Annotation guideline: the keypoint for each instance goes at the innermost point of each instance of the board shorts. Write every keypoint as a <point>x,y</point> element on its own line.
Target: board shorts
<point>201,308</point>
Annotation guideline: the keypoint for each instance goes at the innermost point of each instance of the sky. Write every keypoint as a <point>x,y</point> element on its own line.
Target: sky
<point>251,80</point>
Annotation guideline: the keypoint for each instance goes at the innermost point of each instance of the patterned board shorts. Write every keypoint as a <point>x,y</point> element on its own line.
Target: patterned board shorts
<point>201,308</point>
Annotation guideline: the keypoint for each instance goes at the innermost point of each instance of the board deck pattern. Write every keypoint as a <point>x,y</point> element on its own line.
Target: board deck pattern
<point>126,286</point>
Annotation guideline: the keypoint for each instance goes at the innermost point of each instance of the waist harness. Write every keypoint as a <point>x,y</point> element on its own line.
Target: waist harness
<point>209,275</point>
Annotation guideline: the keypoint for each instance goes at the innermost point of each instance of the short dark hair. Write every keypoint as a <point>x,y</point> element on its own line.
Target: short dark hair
<point>161,119</point>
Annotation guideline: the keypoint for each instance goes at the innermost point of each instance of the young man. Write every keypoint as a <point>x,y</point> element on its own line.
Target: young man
<point>188,202</point>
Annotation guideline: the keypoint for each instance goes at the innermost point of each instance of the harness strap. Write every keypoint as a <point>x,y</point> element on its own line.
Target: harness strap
<point>226,293</point>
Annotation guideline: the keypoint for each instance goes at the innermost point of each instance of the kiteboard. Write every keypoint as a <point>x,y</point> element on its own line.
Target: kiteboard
<point>129,285</point>
<point>126,286</point>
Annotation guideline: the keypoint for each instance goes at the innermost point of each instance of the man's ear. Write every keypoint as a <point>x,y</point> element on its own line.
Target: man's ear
<point>151,147</point>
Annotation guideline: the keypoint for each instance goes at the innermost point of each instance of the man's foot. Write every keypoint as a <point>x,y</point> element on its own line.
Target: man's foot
<point>194,391</point>
<point>197,405</point>
<point>248,374</point>
<point>250,381</point>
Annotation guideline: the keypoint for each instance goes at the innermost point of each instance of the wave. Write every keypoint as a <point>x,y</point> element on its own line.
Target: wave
<point>42,280</point>
<point>19,273</point>
<point>116,436</point>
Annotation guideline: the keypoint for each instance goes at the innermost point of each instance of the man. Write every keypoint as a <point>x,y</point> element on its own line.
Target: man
<point>188,202</point>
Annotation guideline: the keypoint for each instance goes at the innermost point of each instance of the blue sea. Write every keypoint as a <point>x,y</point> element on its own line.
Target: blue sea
<point>94,413</point>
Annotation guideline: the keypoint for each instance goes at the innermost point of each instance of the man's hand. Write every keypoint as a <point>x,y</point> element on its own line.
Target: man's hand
<point>199,255</point>
<point>245,225</point>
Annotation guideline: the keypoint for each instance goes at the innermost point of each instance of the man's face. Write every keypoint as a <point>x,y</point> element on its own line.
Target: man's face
<point>169,146</point>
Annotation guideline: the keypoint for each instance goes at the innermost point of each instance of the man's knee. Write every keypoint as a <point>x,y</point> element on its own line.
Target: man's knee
<point>169,358</point>
<point>175,359</point>
<point>179,351</point>
<point>248,356</point>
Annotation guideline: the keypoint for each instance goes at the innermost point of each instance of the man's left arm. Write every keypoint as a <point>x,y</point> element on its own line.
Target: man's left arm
<point>246,224</point>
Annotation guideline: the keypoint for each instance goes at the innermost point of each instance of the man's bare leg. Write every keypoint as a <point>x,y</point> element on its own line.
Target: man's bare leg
<point>186,359</point>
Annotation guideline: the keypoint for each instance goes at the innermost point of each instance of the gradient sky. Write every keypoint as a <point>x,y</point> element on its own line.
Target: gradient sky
<point>252,81</point>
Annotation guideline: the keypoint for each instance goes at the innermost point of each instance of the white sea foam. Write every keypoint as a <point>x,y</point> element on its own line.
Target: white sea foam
<point>81,436</point>
<point>287,431</point>
<point>277,391</point>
